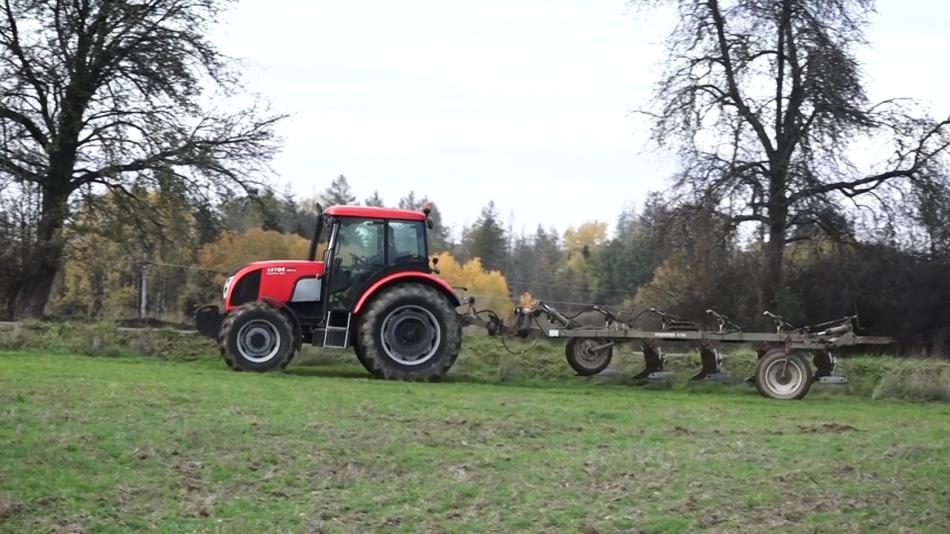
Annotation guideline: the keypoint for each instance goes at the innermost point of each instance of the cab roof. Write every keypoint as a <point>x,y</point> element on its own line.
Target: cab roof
<point>372,212</point>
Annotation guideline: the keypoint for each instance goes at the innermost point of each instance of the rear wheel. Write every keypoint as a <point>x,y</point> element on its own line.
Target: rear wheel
<point>409,332</point>
<point>257,337</point>
<point>783,376</point>
<point>588,356</point>
<point>357,348</point>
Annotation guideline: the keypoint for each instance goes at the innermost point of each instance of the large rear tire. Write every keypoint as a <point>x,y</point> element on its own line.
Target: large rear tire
<point>257,337</point>
<point>370,368</point>
<point>409,332</point>
<point>783,376</point>
<point>584,357</point>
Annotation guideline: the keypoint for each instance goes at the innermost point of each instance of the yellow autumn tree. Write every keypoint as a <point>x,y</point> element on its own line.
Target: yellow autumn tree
<point>527,300</point>
<point>580,242</point>
<point>232,251</point>
<point>489,288</point>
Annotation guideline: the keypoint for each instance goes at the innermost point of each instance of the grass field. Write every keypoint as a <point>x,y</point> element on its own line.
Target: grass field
<point>98,443</point>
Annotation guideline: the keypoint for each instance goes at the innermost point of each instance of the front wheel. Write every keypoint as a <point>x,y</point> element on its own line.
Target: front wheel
<point>257,337</point>
<point>409,332</point>
<point>783,376</point>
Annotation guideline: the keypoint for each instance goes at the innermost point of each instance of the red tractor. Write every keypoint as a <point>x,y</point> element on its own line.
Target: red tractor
<point>373,290</point>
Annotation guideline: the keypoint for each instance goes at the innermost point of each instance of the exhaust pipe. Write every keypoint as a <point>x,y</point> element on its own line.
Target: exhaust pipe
<point>312,255</point>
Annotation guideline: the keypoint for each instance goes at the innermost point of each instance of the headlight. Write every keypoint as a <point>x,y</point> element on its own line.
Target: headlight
<point>227,285</point>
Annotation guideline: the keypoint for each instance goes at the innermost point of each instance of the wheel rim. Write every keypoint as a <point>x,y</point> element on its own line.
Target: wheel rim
<point>411,335</point>
<point>258,341</point>
<point>585,355</point>
<point>784,379</point>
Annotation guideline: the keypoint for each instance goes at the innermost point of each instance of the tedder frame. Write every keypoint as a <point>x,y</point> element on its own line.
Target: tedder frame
<point>782,372</point>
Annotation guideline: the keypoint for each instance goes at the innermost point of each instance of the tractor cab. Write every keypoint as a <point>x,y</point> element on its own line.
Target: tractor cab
<point>365,245</point>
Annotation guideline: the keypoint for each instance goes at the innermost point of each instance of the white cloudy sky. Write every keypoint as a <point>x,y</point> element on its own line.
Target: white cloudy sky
<point>524,102</point>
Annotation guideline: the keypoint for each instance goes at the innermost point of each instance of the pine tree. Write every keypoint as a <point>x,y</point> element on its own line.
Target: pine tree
<point>439,239</point>
<point>338,193</point>
<point>409,202</point>
<point>486,239</point>
<point>374,200</point>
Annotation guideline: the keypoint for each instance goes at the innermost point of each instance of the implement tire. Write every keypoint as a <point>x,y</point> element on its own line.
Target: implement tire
<point>783,376</point>
<point>257,337</point>
<point>583,359</point>
<point>409,332</point>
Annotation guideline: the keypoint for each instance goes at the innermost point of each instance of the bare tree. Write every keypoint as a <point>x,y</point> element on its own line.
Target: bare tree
<point>99,94</point>
<point>765,103</point>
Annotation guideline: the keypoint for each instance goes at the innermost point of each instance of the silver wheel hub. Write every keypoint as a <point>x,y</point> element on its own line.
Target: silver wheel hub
<point>784,377</point>
<point>411,335</point>
<point>258,341</point>
<point>586,352</point>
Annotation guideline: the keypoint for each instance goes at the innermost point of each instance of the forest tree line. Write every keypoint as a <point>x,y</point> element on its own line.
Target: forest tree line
<point>675,257</point>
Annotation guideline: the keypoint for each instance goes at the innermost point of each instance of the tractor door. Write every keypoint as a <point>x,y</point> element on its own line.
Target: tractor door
<point>365,250</point>
<point>358,254</point>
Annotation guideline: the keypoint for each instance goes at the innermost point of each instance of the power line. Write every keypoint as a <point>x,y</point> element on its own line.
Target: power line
<point>598,289</point>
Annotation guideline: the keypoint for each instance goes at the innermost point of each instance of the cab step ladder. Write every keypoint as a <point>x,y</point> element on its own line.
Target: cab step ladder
<point>336,335</point>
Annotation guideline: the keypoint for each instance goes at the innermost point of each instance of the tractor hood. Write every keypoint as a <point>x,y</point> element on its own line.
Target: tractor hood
<point>271,279</point>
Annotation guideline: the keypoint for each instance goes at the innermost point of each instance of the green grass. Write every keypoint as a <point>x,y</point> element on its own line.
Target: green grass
<point>113,444</point>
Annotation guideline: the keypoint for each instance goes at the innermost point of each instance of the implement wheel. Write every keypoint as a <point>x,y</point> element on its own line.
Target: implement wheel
<point>783,376</point>
<point>588,356</point>
<point>409,332</point>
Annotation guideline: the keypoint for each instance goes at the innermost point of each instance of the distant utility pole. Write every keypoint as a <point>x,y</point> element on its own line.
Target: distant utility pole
<point>143,291</point>
<point>511,221</point>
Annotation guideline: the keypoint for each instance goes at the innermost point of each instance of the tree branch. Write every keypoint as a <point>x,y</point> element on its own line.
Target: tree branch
<point>738,101</point>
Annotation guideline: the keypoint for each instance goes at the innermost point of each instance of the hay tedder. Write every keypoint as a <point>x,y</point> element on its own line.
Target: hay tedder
<point>376,290</point>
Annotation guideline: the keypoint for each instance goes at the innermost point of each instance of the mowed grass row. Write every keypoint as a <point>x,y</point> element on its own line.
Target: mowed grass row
<point>93,444</point>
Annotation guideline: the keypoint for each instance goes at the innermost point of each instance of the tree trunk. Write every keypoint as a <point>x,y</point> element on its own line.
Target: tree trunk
<point>43,260</point>
<point>774,257</point>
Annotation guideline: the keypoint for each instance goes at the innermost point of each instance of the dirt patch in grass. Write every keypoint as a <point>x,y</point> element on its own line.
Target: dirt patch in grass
<point>7,508</point>
<point>828,428</point>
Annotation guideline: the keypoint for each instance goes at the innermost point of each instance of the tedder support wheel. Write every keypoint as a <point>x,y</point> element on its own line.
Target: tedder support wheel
<point>783,376</point>
<point>257,337</point>
<point>409,332</point>
<point>589,356</point>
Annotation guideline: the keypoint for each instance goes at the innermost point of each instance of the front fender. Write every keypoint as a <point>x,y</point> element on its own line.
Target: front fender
<point>408,276</point>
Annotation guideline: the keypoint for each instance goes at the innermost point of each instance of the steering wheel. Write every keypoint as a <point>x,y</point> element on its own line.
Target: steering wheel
<point>364,264</point>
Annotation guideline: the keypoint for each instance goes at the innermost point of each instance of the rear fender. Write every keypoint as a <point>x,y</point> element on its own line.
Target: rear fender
<point>407,276</point>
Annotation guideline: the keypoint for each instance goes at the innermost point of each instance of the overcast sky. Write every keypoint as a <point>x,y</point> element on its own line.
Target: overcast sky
<point>524,102</point>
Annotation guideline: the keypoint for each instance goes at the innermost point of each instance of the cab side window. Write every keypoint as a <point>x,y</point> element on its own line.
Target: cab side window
<point>359,243</point>
<point>407,242</point>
